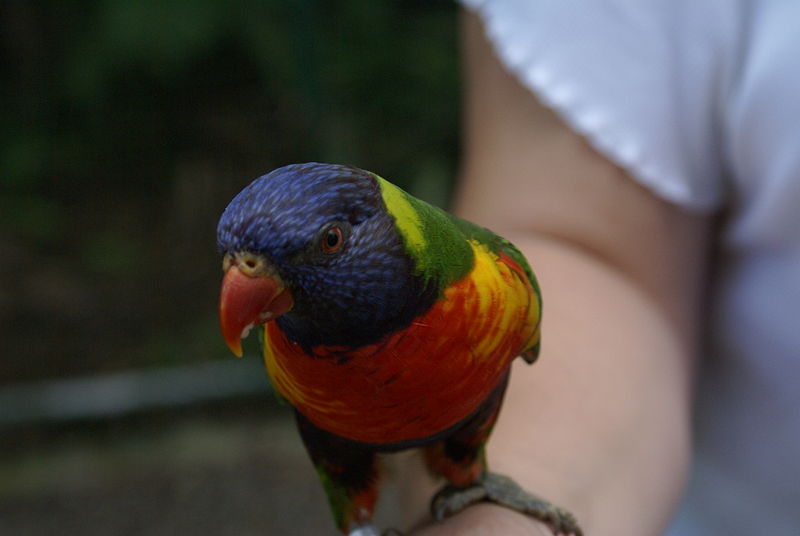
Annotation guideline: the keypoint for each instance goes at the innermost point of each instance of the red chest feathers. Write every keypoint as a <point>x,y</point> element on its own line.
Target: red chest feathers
<point>419,381</point>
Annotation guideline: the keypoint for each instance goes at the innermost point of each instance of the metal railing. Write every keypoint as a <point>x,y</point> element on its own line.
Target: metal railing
<point>113,395</point>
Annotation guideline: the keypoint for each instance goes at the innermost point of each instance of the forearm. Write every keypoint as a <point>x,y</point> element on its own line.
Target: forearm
<point>600,424</point>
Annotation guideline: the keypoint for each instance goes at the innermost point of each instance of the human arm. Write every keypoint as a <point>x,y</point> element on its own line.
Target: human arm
<point>600,425</point>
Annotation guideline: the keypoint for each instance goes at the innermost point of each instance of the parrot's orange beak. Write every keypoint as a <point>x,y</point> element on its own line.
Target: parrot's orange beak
<point>246,301</point>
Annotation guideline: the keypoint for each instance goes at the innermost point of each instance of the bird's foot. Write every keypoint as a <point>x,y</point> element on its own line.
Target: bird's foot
<point>368,529</point>
<point>502,490</point>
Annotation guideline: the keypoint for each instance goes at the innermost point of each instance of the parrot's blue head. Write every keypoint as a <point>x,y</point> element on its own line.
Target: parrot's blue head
<point>274,214</point>
<point>313,245</point>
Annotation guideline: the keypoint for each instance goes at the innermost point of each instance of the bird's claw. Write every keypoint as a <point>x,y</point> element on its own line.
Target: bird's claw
<point>368,529</point>
<point>502,490</point>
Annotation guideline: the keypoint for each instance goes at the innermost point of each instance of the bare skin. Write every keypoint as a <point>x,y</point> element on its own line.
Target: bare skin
<point>600,425</point>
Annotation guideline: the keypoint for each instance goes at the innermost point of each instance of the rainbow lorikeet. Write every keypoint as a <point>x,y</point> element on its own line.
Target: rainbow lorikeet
<point>389,324</point>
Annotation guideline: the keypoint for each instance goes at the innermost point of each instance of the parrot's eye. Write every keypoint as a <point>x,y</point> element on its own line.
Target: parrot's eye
<point>332,239</point>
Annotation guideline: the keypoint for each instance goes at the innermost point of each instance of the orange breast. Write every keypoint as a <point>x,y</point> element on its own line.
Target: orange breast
<point>424,379</point>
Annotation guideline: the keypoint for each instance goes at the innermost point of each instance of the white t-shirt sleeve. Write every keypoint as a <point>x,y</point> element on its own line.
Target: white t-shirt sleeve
<point>644,81</point>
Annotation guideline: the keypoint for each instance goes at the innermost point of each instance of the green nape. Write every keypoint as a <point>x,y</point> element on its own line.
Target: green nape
<point>434,241</point>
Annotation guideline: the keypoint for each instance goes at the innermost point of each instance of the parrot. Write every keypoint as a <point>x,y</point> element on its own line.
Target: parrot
<point>388,324</point>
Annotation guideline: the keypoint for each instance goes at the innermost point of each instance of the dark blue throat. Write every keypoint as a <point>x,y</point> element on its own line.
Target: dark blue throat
<point>355,323</point>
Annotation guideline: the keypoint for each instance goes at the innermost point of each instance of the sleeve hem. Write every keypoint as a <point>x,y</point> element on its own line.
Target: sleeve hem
<point>588,119</point>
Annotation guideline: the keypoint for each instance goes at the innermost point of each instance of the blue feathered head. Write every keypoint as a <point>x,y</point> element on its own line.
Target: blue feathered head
<point>323,232</point>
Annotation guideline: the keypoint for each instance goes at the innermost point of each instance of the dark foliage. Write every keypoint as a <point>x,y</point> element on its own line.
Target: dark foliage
<point>126,127</point>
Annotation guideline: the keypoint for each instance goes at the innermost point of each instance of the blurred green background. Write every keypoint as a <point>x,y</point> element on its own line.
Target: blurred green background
<point>125,128</point>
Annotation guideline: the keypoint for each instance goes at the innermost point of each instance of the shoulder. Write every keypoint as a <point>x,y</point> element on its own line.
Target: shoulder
<point>640,80</point>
